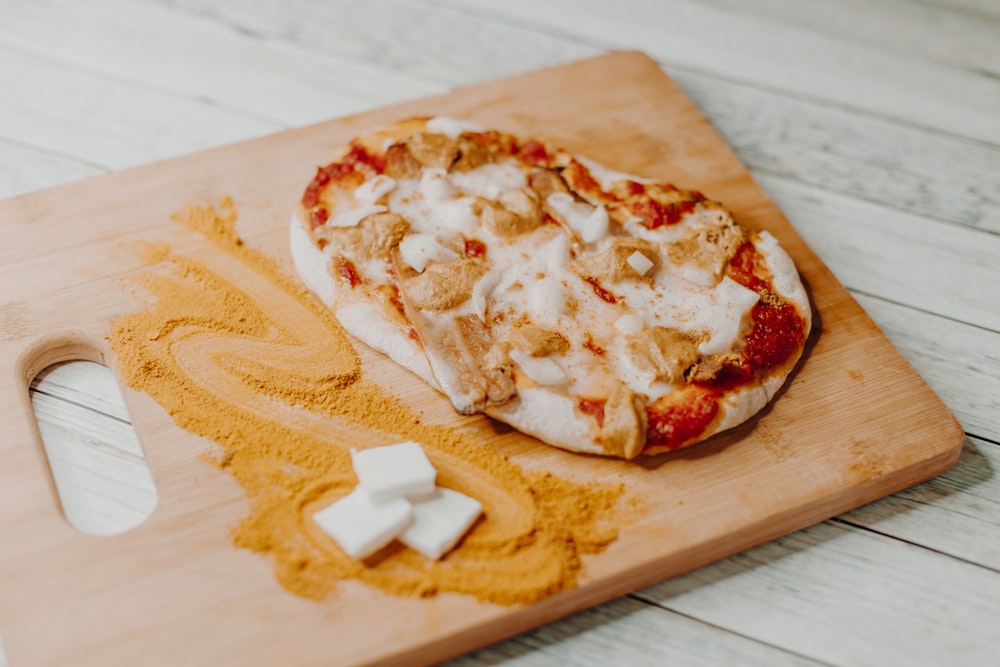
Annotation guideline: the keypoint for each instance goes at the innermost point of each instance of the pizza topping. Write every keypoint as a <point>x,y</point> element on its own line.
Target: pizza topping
<point>400,164</point>
<point>599,290</point>
<point>346,271</point>
<point>663,205</point>
<point>662,354</point>
<point>615,263</point>
<point>490,179</point>
<point>443,286</point>
<point>545,182</point>
<point>542,370</point>
<point>685,416</point>
<point>706,370</point>
<point>417,250</point>
<point>588,222</point>
<point>711,245</point>
<point>369,192</point>
<point>538,342</point>
<point>734,301</point>
<point>629,324</point>
<point>372,238</point>
<point>500,219</point>
<point>474,248</point>
<point>433,150</point>
<point>352,217</point>
<point>640,262</point>
<point>435,186</point>
<point>623,431</point>
<point>482,290</point>
<point>547,299</point>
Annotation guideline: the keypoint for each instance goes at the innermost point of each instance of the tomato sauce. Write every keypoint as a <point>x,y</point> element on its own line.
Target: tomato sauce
<point>533,152</point>
<point>656,214</point>
<point>593,407</point>
<point>357,158</point>
<point>589,343</point>
<point>318,217</point>
<point>674,424</point>
<point>474,248</point>
<point>599,290</point>
<point>346,271</point>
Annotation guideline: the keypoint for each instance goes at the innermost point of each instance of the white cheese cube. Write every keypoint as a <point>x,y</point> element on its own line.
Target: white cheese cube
<point>394,471</point>
<point>371,191</point>
<point>362,527</point>
<point>440,521</point>
<point>354,216</point>
<point>640,263</point>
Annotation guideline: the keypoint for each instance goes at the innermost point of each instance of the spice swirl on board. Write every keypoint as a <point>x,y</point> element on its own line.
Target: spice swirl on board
<point>237,351</point>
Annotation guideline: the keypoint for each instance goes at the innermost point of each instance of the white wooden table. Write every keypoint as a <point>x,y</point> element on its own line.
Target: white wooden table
<point>874,125</point>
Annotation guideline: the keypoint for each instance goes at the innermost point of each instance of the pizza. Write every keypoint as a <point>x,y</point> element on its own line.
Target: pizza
<point>597,311</point>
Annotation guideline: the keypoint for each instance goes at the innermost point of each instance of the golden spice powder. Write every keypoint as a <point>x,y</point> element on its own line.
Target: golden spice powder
<point>242,354</point>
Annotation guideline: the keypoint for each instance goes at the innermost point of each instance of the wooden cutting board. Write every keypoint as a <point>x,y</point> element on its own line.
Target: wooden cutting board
<point>855,423</point>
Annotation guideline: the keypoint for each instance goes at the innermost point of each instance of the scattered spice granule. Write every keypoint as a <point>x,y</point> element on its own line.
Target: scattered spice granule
<point>237,351</point>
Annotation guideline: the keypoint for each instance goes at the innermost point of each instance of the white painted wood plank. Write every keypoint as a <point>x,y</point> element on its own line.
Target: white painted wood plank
<point>83,383</point>
<point>630,632</point>
<point>980,9</point>
<point>109,123</point>
<point>873,158</point>
<point>845,596</point>
<point>904,27</point>
<point>98,467</point>
<point>934,175</point>
<point>151,46</point>
<point>961,363</point>
<point>945,269</point>
<point>957,513</point>
<point>786,58</point>
<point>425,42</point>
<point>23,169</point>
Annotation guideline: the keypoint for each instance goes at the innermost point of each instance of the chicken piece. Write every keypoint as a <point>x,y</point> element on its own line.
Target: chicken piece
<point>545,181</point>
<point>612,265</point>
<point>711,245</point>
<point>443,286</point>
<point>705,370</point>
<point>471,370</point>
<point>516,212</point>
<point>470,155</point>
<point>433,150</point>
<point>373,237</point>
<point>667,353</point>
<point>400,163</point>
<point>538,342</point>
<point>623,432</point>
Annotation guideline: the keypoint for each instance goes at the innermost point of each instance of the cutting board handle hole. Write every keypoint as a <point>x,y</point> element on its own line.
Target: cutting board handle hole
<point>100,472</point>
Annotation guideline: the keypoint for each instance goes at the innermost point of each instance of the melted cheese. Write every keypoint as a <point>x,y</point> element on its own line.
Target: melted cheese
<point>531,279</point>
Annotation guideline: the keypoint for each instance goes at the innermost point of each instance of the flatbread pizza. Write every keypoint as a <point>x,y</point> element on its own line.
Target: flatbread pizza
<point>597,311</point>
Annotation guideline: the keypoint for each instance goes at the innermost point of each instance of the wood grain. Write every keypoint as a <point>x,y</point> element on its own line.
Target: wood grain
<point>818,440</point>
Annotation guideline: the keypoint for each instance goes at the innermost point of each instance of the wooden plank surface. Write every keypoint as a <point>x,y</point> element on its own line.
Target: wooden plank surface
<point>845,432</point>
<point>849,150</point>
